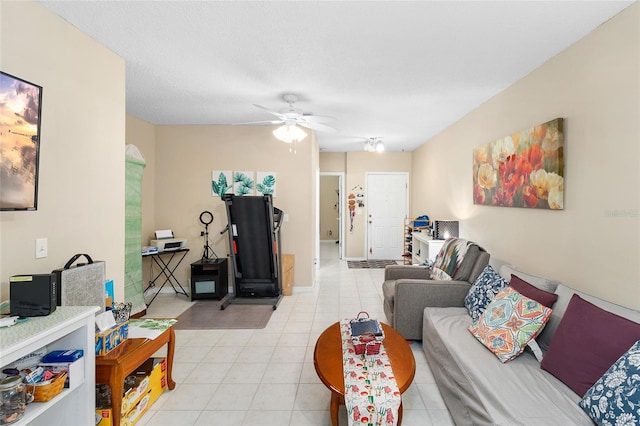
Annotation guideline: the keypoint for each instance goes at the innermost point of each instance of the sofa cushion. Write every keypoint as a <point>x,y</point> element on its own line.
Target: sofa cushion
<point>559,308</point>
<point>532,292</point>
<point>587,342</point>
<point>615,397</point>
<point>541,282</point>
<point>509,322</point>
<point>479,390</point>
<point>483,290</point>
<point>470,259</point>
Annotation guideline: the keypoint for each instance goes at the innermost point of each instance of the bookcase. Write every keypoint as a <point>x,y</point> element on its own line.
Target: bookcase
<point>68,327</point>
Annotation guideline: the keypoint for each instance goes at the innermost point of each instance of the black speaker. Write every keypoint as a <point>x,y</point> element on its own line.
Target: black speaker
<point>32,295</point>
<point>443,229</point>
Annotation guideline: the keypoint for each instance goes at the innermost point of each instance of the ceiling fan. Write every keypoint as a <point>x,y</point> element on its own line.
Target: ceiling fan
<point>291,117</point>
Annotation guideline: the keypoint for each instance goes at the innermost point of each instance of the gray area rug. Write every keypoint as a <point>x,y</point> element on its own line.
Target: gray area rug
<point>357,264</point>
<point>206,315</point>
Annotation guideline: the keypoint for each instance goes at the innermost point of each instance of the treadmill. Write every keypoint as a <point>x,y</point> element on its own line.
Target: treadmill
<point>254,245</point>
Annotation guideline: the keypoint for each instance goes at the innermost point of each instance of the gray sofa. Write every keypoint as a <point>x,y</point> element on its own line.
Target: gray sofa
<point>407,290</point>
<point>478,389</point>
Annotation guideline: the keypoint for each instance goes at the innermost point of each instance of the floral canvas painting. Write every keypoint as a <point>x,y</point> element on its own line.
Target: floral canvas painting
<point>525,169</point>
<point>243,183</point>
<point>266,183</point>
<point>221,182</point>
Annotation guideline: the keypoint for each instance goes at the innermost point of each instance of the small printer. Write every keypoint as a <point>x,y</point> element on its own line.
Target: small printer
<point>165,241</point>
<point>32,295</point>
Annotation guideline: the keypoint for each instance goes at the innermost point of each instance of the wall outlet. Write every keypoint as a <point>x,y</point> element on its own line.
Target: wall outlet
<point>41,248</point>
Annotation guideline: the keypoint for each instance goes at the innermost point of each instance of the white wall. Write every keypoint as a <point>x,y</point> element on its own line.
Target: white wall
<point>593,244</point>
<point>81,183</point>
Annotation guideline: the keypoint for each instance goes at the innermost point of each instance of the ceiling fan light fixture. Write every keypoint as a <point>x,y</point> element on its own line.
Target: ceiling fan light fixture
<point>289,133</point>
<point>373,145</point>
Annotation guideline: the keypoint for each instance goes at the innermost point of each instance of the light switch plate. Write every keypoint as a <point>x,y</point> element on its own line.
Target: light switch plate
<point>41,248</point>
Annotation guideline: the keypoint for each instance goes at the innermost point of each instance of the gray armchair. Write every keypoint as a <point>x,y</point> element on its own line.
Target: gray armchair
<point>407,290</point>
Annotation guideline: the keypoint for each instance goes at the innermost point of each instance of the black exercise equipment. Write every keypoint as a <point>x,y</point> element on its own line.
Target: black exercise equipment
<point>254,246</point>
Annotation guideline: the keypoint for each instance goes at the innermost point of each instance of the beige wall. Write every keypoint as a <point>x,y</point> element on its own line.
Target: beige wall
<point>185,156</point>
<point>81,185</point>
<point>329,208</point>
<point>333,162</point>
<point>357,165</point>
<point>593,244</point>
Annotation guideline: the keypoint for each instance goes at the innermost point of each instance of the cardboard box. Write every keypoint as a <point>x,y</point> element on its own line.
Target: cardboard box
<point>104,417</point>
<point>75,376</point>
<point>134,395</point>
<point>110,339</point>
<point>157,379</point>
<point>136,412</point>
<point>288,263</point>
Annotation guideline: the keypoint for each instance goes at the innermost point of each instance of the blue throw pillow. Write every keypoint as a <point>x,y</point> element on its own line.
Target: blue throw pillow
<point>483,290</point>
<point>615,397</point>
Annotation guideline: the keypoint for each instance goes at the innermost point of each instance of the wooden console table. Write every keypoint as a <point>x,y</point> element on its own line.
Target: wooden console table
<point>114,367</point>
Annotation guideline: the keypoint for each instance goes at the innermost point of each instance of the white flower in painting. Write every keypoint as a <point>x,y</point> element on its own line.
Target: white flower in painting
<point>615,379</point>
<point>487,176</point>
<point>501,149</point>
<point>556,199</point>
<point>626,419</point>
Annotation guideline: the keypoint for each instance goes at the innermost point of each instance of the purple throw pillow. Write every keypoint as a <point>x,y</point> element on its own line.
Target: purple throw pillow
<point>532,292</point>
<point>587,342</point>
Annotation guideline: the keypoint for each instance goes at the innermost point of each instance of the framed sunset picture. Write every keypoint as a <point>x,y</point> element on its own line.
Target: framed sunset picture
<point>20,112</point>
<point>525,169</point>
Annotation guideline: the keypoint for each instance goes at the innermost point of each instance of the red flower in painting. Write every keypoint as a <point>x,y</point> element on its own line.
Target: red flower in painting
<point>512,173</point>
<point>502,198</point>
<point>534,156</point>
<point>478,194</point>
<point>529,196</point>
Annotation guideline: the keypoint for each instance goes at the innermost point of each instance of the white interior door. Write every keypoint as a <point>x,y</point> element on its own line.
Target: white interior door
<point>387,195</point>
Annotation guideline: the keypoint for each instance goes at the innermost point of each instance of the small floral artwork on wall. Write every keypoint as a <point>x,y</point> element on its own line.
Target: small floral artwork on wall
<point>221,182</point>
<point>243,183</point>
<point>525,169</point>
<point>266,183</point>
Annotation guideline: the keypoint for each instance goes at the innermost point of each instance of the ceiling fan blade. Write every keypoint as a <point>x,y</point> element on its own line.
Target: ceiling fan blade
<point>258,122</point>
<point>317,126</point>
<point>317,118</point>
<point>277,114</point>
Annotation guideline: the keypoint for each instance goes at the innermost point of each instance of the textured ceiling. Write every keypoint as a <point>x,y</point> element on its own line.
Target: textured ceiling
<point>402,71</point>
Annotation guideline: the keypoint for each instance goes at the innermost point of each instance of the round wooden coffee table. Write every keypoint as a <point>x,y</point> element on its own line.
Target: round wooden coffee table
<point>327,358</point>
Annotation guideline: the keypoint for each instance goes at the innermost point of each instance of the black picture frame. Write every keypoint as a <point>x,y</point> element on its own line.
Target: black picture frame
<point>20,123</point>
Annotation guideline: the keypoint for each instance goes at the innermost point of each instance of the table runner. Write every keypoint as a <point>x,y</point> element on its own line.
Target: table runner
<point>371,394</point>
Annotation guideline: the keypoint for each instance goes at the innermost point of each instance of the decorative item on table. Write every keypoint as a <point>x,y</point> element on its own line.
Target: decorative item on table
<point>121,311</point>
<point>366,334</point>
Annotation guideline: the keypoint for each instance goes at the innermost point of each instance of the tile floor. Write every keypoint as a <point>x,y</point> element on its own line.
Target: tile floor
<point>266,377</point>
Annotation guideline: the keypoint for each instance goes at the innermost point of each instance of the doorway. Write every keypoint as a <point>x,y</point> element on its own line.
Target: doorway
<point>388,205</point>
<point>330,211</point>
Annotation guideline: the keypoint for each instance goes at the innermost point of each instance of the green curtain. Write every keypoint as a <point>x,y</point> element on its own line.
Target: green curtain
<point>133,291</point>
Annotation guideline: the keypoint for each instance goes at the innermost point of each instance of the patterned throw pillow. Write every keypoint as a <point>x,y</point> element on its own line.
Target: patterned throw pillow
<point>509,322</point>
<point>483,290</point>
<point>615,397</point>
